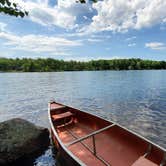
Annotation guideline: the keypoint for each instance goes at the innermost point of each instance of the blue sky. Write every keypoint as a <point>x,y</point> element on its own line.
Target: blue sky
<point>68,30</point>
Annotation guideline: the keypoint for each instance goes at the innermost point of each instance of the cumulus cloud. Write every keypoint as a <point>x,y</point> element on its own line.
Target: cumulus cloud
<point>63,14</point>
<point>122,15</point>
<point>38,43</point>
<point>109,15</point>
<point>40,12</point>
<point>52,17</point>
<point>155,45</point>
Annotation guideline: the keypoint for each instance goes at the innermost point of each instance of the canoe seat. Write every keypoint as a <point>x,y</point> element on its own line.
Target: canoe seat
<point>62,116</point>
<point>57,107</point>
<point>142,161</point>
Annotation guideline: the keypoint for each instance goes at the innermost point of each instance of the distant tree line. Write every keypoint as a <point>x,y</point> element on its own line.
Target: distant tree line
<point>49,65</point>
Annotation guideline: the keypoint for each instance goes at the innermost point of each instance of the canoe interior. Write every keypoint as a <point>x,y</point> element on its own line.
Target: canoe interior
<point>114,146</point>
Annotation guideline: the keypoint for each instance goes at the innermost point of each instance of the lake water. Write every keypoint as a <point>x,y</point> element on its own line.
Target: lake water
<point>135,99</point>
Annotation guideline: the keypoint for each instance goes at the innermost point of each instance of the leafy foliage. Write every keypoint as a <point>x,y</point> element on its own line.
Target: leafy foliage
<point>48,65</point>
<point>11,8</point>
<point>84,1</point>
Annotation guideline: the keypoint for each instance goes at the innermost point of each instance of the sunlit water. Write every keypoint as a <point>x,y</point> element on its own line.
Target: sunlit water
<point>135,99</point>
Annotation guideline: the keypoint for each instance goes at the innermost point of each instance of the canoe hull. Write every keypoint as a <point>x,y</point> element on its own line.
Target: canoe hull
<point>62,156</point>
<point>119,139</point>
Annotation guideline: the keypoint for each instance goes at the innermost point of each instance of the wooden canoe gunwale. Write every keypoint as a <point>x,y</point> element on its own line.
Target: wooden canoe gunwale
<point>64,146</point>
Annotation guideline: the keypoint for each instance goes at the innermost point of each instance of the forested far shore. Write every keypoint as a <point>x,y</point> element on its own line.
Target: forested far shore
<point>50,65</point>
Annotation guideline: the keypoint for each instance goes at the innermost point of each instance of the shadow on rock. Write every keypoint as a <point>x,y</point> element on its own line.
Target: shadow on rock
<point>21,142</point>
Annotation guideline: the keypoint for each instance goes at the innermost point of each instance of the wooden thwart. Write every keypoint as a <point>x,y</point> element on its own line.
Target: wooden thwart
<point>90,135</point>
<point>92,151</point>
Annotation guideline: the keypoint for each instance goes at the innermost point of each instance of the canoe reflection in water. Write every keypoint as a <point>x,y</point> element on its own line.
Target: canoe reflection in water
<point>85,139</point>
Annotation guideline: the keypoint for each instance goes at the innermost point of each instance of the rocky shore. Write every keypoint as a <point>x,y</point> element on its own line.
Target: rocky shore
<point>21,140</point>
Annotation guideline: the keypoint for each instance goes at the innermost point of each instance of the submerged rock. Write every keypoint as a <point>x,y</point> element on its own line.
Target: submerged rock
<point>20,139</point>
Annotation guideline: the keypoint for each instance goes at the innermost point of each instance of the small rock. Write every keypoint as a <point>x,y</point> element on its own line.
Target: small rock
<point>20,139</point>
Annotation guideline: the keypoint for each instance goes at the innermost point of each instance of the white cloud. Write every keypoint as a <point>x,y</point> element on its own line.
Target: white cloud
<point>39,43</point>
<point>64,14</point>
<point>52,17</point>
<point>40,12</point>
<point>85,17</point>
<point>132,44</point>
<point>112,15</point>
<point>131,38</point>
<point>152,13</point>
<point>2,26</point>
<point>122,15</point>
<point>88,58</point>
<point>94,40</point>
<point>66,4</point>
<point>155,45</point>
<point>115,16</point>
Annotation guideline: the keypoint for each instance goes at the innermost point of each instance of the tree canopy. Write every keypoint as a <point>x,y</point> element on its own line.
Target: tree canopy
<point>84,1</point>
<point>11,8</point>
<point>50,65</point>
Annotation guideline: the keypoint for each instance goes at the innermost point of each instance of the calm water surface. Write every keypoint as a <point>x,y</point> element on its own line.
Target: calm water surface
<point>135,99</point>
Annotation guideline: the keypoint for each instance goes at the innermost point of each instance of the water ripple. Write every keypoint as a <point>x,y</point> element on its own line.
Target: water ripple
<point>135,99</point>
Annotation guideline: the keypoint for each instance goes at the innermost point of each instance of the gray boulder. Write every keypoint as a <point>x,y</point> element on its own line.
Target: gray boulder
<point>20,139</point>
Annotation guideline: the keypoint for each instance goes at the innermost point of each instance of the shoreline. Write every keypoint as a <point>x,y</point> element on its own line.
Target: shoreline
<point>78,71</point>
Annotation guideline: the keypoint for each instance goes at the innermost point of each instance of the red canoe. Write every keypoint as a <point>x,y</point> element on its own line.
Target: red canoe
<point>85,139</point>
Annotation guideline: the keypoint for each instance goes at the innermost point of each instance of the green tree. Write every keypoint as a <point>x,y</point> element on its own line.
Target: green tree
<point>50,64</point>
<point>84,1</point>
<point>11,8</point>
